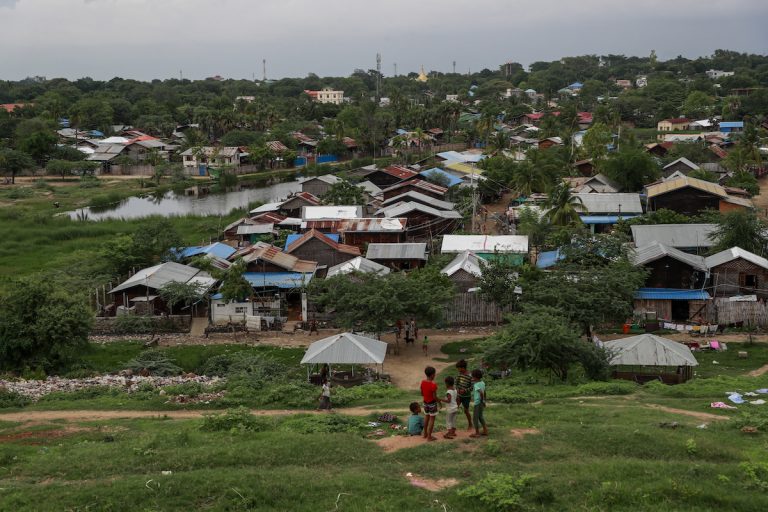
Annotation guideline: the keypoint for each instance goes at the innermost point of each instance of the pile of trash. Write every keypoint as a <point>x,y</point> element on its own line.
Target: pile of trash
<point>202,398</point>
<point>36,389</point>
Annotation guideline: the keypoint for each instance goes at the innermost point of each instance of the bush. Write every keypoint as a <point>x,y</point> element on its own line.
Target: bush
<point>12,399</point>
<point>324,424</point>
<point>105,200</point>
<point>754,418</point>
<point>234,420</point>
<point>341,397</point>
<point>254,366</point>
<point>20,193</point>
<point>756,475</point>
<point>89,182</point>
<point>82,394</point>
<point>191,389</point>
<point>607,388</point>
<point>156,362</point>
<point>134,324</point>
<point>500,491</point>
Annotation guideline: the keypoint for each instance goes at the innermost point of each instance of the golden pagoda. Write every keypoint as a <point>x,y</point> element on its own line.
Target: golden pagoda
<point>422,76</point>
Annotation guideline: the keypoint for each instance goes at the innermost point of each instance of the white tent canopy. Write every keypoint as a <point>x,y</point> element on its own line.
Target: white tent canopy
<point>346,348</point>
<point>649,350</point>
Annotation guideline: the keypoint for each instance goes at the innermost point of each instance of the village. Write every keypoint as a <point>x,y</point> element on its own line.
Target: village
<point>263,274</point>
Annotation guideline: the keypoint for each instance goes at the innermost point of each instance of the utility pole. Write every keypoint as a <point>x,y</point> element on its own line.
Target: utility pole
<point>395,74</point>
<point>181,76</point>
<point>264,68</point>
<point>454,67</point>
<point>378,76</point>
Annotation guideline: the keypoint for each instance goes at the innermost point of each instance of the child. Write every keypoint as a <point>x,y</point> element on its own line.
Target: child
<point>464,389</point>
<point>452,408</point>
<point>325,397</point>
<point>429,394</point>
<point>478,397</point>
<point>415,421</point>
<point>425,345</point>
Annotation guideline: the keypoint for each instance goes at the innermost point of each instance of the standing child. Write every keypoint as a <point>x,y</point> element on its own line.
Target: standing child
<point>464,389</point>
<point>325,397</point>
<point>451,409</point>
<point>425,346</point>
<point>478,397</point>
<point>415,421</point>
<point>429,394</point>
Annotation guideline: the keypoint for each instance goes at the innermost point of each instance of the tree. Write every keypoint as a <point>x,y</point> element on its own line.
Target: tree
<point>534,225</point>
<point>697,105</point>
<point>542,339</point>
<point>344,193</point>
<point>42,324</point>
<point>631,169</point>
<point>745,180</point>
<point>68,168</point>
<point>740,228</point>
<point>499,282</point>
<point>156,241</point>
<point>596,141</point>
<point>564,207</point>
<point>13,162</point>
<point>234,287</point>
<point>38,145</point>
<point>185,294</point>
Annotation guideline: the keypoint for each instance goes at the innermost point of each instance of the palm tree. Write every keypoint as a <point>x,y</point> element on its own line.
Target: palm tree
<point>564,207</point>
<point>527,179</point>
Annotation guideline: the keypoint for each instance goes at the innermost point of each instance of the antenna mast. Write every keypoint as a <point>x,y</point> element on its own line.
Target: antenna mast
<point>378,76</point>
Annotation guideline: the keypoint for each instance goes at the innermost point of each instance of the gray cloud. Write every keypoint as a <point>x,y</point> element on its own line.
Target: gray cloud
<point>148,39</point>
<point>10,4</point>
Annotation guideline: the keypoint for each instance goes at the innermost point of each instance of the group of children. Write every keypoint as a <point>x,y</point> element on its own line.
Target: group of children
<point>461,390</point>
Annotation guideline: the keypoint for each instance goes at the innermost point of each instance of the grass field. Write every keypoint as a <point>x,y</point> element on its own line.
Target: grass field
<point>612,449</point>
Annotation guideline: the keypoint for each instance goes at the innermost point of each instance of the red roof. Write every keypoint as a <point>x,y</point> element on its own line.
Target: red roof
<point>535,117</point>
<point>398,171</point>
<point>269,218</point>
<point>677,120</point>
<point>349,142</point>
<point>141,138</point>
<point>720,152</point>
<point>585,117</point>
<point>312,233</point>
<point>10,107</point>
<point>311,94</point>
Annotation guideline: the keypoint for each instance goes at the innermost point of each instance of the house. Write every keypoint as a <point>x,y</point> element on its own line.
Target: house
<point>671,125</point>
<point>691,196</point>
<point>731,126</point>
<point>11,107</point>
<point>326,95</point>
<point>624,84</point>
<point>445,178</point>
<point>414,185</point>
<point>674,287</point>
<point>106,153</point>
<point>251,232</point>
<point>599,184</point>
<point>418,197</point>
<point>294,205</point>
<point>736,271</point>
<point>604,210</point>
<point>714,74</point>
<point>659,149</point>
<point>584,120</point>
<point>359,264</point>
<point>693,238</point>
<point>403,256</point>
<point>641,81</point>
<point>140,293</point>
<point>389,176</point>
<point>209,156</point>
<point>682,164</point>
<point>423,220</point>
<point>316,246</point>
<point>513,248</point>
<point>331,212</point>
<point>549,142</point>
<point>319,185</point>
<point>362,231</point>
<point>465,270</point>
<point>263,257</point>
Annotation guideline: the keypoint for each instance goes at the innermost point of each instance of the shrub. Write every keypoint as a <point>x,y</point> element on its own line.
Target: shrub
<point>500,491</point>
<point>20,193</point>
<point>87,181</point>
<point>12,399</point>
<point>253,366</point>
<point>757,475</point>
<point>754,418</point>
<point>344,396</point>
<point>82,394</point>
<point>234,420</point>
<point>156,362</point>
<point>608,388</point>
<point>187,388</point>
<point>324,424</point>
<point>134,324</point>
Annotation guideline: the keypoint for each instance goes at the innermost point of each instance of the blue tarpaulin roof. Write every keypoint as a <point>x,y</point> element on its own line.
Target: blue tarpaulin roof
<point>548,258</point>
<point>604,219</point>
<point>283,280</point>
<point>670,294</point>
<point>452,180</point>
<point>732,124</point>
<point>294,236</point>
<point>218,249</point>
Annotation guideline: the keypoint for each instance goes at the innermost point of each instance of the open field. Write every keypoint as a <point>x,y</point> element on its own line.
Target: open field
<point>577,446</point>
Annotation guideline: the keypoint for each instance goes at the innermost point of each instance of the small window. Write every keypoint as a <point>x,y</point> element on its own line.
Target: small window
<point>239,310</point>
<point>220,305</point>
<point>748,280</point>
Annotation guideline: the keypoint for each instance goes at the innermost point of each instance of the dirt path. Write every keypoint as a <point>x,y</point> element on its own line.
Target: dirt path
<point>760,371</point>
<point>39,416</point>
<point>683,412</point>
<point>761,201</point>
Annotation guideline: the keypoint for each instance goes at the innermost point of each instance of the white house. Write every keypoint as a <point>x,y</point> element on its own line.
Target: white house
<point>213,156</point>
<point>327,95</point>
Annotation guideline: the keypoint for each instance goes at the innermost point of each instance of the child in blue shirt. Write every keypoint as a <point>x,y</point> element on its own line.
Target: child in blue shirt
<point>415,420</point>
<point>478,397</point>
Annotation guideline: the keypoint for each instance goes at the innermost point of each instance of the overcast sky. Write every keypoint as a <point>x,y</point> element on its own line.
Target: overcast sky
<point>146,39</point>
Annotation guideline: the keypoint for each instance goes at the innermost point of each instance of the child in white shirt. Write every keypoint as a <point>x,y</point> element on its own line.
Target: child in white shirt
<point>451,408</point>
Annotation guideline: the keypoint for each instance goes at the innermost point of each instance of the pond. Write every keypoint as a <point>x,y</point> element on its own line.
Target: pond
<point>172,204</point>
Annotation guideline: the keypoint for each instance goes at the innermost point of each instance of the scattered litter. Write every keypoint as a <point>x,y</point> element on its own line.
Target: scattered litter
<point>763,391</point>
<point>736,398</point>
<point>757,402</point>
<point>721,405</point>
<point>749,430</point>
<point>373,424</point>
<point>166,473</point>
<point>750,393</point>
<point>714,362</point>
<point>202,398</point>
<point>387,418</point>
<point>431,484</point>
<point>666,424</point>
<point>702,426</point>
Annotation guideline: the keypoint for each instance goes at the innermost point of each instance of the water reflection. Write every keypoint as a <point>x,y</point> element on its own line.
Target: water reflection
<point>170,204</point>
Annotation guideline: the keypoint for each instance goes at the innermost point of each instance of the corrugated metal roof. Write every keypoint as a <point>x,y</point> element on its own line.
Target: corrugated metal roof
<point>462,168</point>
<point>272,254</point>
<point>405,207</point>
<point>466,261</point>
<point>158,276</point>
<point>330,179</point>
<point>670,294</point>
<point>358,264</point>
<point>277,146</point>
<point>398,171</point>
<point>421,184</point>
<point>331,212</point>
<point>602,183</point>
<point>654,251</point>
<point>611,203</point>
<point>452,180</point>
<point>366,225</point>
<point>517,244</point>
<point>649,350</point>
<point>548,259</point>
<point>684,161</point>
<point>282,280</point>
<point>731,124</point>
<point>370,188</point>
<point>604,219</point>
<point>407,251</point>
<point>327,240</point>
<point>735,253</point>
<point>268,207</point>
<point>217,249</point>
<point>683,182</point>
<point>420,198</point>
<point>295,236</point>
<point>255,229</point>
<point>674,235</point>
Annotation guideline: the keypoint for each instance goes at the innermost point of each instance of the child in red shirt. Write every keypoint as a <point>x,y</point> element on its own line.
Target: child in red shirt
<point>429,394</point>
